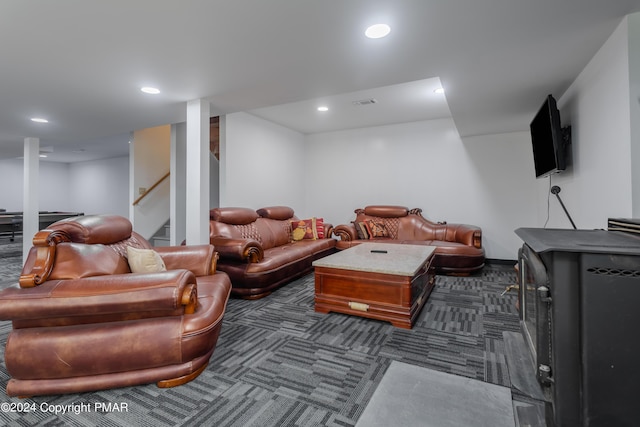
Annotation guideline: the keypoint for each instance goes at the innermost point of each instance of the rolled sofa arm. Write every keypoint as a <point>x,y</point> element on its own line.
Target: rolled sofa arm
<point>199,259</point>
<point>346,232</point>
<point>167,293</point>
<point>41,259</point>
<point>463,233</point>
<point>328,230</point>
<point>246,250</point>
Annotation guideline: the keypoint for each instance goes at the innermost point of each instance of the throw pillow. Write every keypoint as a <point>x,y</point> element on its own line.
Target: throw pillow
<point>377,229</point>
<point>304,229</point>
<point>362,230</point>
<point>320,227</point>
<point>144,260</point>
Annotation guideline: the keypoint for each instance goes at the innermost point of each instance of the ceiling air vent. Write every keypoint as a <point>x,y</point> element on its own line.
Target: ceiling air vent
<point>365,102</point>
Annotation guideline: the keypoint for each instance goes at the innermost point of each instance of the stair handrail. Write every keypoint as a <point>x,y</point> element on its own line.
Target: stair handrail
<point>148,190</point>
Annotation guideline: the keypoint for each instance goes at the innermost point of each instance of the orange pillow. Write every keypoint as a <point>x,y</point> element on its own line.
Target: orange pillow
<point>304,229</point>
<point>320,227</point>
<point>311,229</point>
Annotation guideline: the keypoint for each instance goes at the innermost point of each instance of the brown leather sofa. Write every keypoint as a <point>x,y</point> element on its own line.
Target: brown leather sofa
<point>257,251</point>
<point>458,246</point>
<point>83,321</point>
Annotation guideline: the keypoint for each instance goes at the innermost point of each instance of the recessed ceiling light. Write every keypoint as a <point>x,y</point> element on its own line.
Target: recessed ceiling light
<point>151,90</point>
<point>439,90</point>
<point>377,31</point>
<point>323,108</point>
<point>43,156</point>
<point>39,120</point>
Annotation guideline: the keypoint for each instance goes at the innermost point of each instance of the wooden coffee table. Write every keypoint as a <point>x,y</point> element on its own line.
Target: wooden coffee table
<point>388,282</point>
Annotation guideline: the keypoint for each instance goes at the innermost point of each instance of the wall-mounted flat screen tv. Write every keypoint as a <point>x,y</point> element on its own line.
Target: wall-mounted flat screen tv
<point>549,140</point>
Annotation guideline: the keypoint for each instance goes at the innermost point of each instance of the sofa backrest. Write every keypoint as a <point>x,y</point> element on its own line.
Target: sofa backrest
<point>275,225</point>
<point>384,211</point>
<point>398,222</point>
<point>78,260</point>
<point>269,226</point>
<point>83,246</point>
<point>280,213</point>
<point>92,229</point>
<point>113,231</point>
<point>274,232</point>
<point>233,216</point>
<point>234,223</point>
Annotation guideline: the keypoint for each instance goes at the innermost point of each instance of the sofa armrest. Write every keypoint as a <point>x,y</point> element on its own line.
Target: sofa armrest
<point>463,233</point>
<point>246,250</point>
<point>167,293</point>
<point>346,232</point>
<point>199,259</point>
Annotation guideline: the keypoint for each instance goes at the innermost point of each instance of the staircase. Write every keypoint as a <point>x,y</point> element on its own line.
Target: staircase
<point>161,237</point>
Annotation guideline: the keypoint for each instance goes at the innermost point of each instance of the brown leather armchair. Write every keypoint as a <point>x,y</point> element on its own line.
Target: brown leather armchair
<point>83,321</point>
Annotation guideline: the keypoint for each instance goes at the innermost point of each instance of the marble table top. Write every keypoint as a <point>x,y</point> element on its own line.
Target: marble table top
<point>386,258</point>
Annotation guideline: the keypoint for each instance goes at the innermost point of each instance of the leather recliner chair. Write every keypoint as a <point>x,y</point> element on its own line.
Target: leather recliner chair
<point>83,321</point>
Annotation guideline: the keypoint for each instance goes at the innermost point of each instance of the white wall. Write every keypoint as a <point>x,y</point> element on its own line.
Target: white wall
<point>633,22</point>
<point>505,186</point>
<point>54,184</point>
<point>92,187</point>
<point>100,186</point>
<point>597,105</point>
<point>261,163</point>
<point>486,181</point>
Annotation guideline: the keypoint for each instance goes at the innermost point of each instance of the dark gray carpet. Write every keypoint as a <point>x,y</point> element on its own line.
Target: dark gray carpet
<point>278,363</point>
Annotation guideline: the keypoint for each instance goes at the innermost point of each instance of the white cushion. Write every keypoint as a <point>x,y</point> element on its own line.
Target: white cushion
<point>144,260</point>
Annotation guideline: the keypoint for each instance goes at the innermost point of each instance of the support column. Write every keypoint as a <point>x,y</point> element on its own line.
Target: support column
<point>132,180</point>
<point>197,172</point>
<point>178,183</point>
<point>31,194</point>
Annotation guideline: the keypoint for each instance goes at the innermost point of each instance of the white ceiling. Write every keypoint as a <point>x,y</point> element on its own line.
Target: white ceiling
<point>81,64</point>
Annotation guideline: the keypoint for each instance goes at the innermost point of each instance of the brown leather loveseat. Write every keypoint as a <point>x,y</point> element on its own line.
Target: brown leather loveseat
<point>258,251</point>
<point>458,246</point>
<point>83,321</point>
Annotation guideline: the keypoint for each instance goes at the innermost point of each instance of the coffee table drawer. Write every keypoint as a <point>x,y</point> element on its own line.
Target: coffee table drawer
<point>393,298</point>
